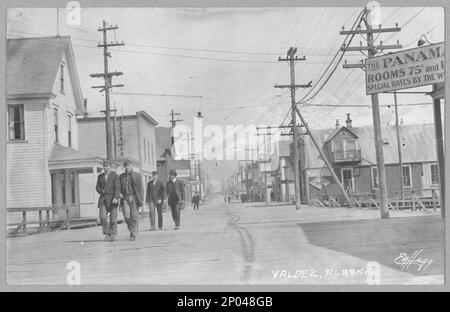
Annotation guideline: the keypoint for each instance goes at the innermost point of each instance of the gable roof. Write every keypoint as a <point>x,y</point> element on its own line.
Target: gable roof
<point>335,132</point>
<point>32,65</point>
<point>419,144</point>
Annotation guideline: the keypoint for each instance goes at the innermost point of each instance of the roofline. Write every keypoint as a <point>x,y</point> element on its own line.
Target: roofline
<point>47,95</point>
<point>43,37</point>
<point>128,117</point>
<point>349,130</point>
<point>146,115</point>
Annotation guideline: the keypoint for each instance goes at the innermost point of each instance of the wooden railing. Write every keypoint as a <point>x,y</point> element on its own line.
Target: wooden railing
<point>413,199</point>
<point>42,222</point>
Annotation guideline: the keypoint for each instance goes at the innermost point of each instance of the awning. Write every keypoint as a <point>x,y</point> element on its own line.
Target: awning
<point>62,157</point>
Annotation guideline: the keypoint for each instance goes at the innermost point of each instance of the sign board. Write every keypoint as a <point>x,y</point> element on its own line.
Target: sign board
<point>319,182</point>
<point>183,173</point>
<point>319,172</point>
<point>405,69</point>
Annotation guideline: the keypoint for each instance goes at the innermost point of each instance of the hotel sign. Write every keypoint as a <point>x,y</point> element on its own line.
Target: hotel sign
<point>406,69</point>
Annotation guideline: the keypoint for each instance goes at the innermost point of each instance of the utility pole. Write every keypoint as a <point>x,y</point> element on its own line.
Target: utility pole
<point>173,122</point>
<point>399,147</point>
<point>292,59</point>
<point>253,167</point>
<point>107,76</point>
<point>114,138</point>
<point>265,161</point>
<point>372,51</point>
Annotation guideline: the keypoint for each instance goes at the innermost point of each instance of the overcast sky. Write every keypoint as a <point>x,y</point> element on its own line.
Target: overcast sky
<point>228,59</point>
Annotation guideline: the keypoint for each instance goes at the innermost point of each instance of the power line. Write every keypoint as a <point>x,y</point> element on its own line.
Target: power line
<point>358,20</point>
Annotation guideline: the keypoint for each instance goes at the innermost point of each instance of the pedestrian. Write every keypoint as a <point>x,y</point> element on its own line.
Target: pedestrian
<point>272,196</point>
<point>155,198</point>
<point>229,198</point>
<point>196,200</point>
<point>131,191</point>
<point>175,197</point>
<point>108,187</point>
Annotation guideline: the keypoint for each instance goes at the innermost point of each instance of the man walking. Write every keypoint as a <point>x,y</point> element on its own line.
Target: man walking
<point>196,200</point>
<point>131,191</point>
<point>155,198</point>
<point>108,188</point>
<point>175,197</point>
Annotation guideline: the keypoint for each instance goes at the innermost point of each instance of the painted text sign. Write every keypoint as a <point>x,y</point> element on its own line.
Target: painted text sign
<point>405,69</point>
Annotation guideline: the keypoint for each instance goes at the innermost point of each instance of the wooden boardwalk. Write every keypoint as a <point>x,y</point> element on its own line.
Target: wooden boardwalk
<point>238,245</point>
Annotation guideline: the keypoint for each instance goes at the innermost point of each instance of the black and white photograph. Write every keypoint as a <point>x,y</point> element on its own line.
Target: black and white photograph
<point>191,145</point>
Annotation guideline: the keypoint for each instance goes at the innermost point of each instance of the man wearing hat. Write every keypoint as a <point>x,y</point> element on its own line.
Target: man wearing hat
<point>108,188</point>
<point>131,191</point>
<point>155,198</point>
<point>175,196</point>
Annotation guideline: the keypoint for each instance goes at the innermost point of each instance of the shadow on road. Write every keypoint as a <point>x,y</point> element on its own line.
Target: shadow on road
<point>383,240</point>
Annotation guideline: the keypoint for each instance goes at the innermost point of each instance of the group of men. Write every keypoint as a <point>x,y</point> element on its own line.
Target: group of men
<point>127,191</point>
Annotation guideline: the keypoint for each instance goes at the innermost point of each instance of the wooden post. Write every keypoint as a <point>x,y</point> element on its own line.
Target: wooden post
<point>40,220</point>
<point>399,146</point>
<point>439,149</point>
<point>294,132</point>
<point>325,159</point>
<point>67,219</point>
<point>433,199</point>
<point>24,221</point>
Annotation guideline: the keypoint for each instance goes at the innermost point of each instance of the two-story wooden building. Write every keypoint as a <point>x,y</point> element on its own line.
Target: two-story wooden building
<point>44,97</point>
<point>351,152</point>
<point>134,140</point>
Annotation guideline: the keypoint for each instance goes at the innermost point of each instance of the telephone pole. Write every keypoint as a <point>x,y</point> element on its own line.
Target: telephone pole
<point>372,52</point>
<point>107,76</point>
<point>399,148</point>
<point>265,161</point>
<point>173,122</point>
<point>292,59</point>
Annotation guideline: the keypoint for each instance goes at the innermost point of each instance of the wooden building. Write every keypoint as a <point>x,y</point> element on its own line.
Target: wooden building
<point>44,97</point>
<point>351,153</point>
<point>134,140</point>
<point>187,170</point>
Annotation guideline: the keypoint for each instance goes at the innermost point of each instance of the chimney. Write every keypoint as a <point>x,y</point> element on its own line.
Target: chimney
<point>337,124</point>
<point>85,108</point>
<point>348,122</point>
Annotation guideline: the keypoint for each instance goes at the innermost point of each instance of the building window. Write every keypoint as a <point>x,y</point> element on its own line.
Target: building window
<point>344,149</point>
<point>434,170</point>
<point>374,178</point>
<point>16,122</point>
<point>347,178</point>
<point>55,120</point>
<point>69,130</point>
<point>62,78</point>
<point>407,176</point>
<point>152,154</point>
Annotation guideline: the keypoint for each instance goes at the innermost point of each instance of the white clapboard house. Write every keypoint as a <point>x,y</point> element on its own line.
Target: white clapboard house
<point>44,97</point>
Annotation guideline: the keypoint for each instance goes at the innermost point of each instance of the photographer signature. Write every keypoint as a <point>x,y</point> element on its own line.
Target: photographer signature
<point>405,261</point>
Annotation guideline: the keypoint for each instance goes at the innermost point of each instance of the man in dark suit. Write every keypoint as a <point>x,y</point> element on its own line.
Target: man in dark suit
<point>154,198</point>
<point>175,197</point>
<point>196,200</point>
<point>109,189</point>
<point>131,193</point>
